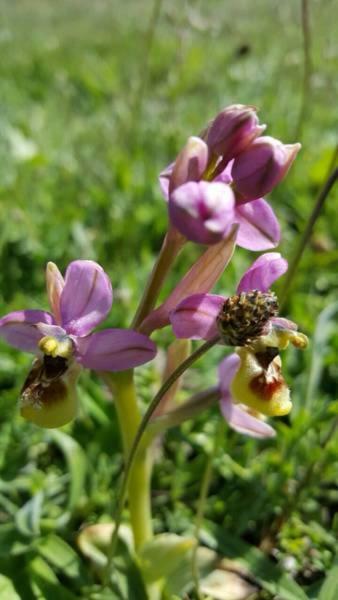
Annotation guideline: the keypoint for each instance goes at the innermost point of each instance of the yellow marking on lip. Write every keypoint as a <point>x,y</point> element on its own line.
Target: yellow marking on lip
<point>53,347</point>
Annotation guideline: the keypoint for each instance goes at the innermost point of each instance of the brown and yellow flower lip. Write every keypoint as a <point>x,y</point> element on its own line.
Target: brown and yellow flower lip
<point>48,397</point>
<point>259,383</point>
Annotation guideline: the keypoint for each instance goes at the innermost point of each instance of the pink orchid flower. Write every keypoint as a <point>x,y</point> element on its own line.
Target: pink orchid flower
<point>252,376</point>
<point>79,303</point>
<point>63,341</point>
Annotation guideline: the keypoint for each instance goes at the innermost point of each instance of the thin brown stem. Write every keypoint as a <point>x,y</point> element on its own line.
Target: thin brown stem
<point>144,67</point>
<point>307,67</point>
<point>189,409</point>
<point>323,194</point>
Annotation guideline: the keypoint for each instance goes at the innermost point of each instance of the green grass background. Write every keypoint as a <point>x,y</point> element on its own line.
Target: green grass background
<point>94,101</point>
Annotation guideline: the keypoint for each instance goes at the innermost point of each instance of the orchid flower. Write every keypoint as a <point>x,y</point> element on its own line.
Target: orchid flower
<point>63,341</point>
<point>250,322</point>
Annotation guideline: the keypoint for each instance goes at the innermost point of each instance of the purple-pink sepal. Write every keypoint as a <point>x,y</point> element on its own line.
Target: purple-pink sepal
<point>19,328</point>
<point>263,272</point>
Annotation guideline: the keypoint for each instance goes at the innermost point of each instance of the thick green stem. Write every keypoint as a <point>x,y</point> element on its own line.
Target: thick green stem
<point>134,450</point>
<point>172,244</point>
<point>138,490</point>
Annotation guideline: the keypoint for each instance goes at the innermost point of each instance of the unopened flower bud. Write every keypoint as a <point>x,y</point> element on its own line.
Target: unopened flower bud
<point>190,163</point>
<point>261,166</point>
<point>232,130</point>
<point>203,211</point>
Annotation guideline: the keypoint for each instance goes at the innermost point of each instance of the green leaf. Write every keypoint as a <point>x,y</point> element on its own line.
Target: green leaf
<point>11,541</point>
<point>76,462</point>
<point>7,590</point>
<point>181,580</point>
<point>163,554</point>
<point>126,579</point>
<point>44,582</point>
<point>329,589</point>
<point>60,555</point>
<point>28,517</point>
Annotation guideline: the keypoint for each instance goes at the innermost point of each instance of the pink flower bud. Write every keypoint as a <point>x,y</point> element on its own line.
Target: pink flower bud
<point>261,166</point>
<point>202,211</point>
<point>190,163</point>
<point>232,131</point>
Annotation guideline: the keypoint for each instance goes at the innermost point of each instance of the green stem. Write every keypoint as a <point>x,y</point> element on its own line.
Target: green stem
<point>139,435</point>
<point>139,501</point>
<point>172,244</point>
<point>323,194</point>
<point>189,409</point>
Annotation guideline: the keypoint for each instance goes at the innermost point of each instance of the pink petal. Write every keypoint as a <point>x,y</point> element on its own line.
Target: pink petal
<point>281,323</point>
<point>243,422</point>
<point>259,228</point>
<point>86,298</point>
<point>263,272</point>
<point>114,350</point>
<point>55,284</point>
<point>227,370</point>
<point>20,330</point>
<point>195,317</point>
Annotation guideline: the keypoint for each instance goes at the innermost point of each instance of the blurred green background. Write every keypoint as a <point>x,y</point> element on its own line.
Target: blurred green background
<point>96,98</point>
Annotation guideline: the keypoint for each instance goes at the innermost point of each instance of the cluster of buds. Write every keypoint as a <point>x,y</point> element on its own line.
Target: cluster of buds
<point>220,179</point>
